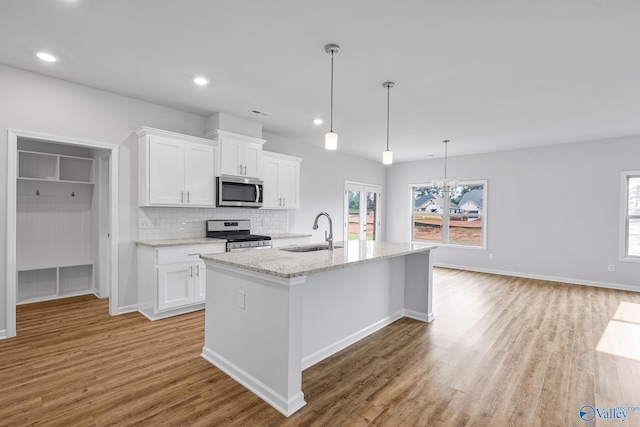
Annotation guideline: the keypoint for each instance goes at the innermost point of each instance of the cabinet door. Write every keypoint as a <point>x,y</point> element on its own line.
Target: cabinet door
<point>231,157</point>
<point>290,184</point>
<point>175,285</point>
<point>252,160</point>
<point>199,179</point>
<point>200,281</point>
<point>271,190</point>
<point>166,171</point>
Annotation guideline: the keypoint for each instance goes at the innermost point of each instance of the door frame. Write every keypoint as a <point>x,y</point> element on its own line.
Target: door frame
<point>12,176</point>
<point>364,187</point>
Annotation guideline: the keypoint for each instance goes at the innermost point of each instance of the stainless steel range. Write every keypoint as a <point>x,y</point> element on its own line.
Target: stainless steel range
<point>237,233</point>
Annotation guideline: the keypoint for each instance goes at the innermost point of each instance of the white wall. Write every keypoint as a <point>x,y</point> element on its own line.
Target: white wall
<point>552,212</point>
<point>41,104</point>
<point>322,178</point>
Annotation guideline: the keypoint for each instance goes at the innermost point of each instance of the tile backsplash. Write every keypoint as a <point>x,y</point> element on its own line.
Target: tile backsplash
<point>181,223</point>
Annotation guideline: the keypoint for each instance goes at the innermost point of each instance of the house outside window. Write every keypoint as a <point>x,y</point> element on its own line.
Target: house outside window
<point>456,217</point>
<point>630,223</point>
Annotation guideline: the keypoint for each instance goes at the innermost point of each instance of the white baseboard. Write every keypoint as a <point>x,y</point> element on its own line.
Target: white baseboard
<point>416,315</point>
<point>283,405</point>
<point>351,339</point>
<point>3,334</point>
<point>616,286</point>
<point>128,309</point>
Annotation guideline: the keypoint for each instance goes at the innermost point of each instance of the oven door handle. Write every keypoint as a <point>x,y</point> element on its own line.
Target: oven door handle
<point>257,193</point>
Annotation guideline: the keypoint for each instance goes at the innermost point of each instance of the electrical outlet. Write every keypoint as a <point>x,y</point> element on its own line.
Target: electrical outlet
<point>241,299</point>
<point>491,257</point>
<point>612,267</point>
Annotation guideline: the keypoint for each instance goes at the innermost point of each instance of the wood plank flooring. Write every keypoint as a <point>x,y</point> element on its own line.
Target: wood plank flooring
<point>502,351</point>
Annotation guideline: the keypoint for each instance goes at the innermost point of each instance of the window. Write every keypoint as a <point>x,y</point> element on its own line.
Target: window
<point>631,216</point>
<point>456,217</point>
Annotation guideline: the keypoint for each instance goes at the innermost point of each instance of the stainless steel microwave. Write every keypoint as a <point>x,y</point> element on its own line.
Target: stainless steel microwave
<point>235,191</point>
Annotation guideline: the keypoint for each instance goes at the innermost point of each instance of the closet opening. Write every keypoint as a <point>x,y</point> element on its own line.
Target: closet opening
<point>60,222</point>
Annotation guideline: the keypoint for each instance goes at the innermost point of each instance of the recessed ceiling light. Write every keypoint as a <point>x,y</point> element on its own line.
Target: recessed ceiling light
<point>201,81</point>
<point>47,57</point>
<point>318,121</point>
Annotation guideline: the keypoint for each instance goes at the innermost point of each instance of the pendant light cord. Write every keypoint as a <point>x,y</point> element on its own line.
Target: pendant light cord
<point>332,53</point>
<point>388,95</point>
<point>445,159</point>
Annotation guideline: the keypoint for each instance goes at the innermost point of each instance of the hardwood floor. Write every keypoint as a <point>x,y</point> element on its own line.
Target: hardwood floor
<point>502,351</point>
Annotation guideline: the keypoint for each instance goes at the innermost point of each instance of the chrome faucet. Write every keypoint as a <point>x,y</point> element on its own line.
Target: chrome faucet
<point>328,238</point>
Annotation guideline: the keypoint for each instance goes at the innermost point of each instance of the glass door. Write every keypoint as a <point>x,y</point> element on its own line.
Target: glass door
<point>362,211</point>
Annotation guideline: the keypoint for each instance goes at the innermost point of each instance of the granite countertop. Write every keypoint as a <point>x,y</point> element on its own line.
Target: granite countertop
<point>180,242</point>
<point>288,236</point>
<point>206,240</point>
<point>281,263</point>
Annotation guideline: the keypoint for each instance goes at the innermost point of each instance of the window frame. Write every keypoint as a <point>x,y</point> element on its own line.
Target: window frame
<point>625,216</point>
<point>446,213</point>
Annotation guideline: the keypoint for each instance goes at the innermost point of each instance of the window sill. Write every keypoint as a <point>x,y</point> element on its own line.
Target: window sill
<point>452,245</point>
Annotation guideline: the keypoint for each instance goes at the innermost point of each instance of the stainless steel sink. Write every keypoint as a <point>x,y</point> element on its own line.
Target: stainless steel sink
<point>308,248</point>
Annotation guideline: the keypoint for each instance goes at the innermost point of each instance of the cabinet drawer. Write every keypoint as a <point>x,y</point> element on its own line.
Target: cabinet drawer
<point>187,253</point>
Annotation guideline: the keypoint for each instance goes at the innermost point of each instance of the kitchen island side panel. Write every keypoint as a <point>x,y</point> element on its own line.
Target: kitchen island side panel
<point>253,333</point>
<point>418,297</point>
<point>343,306</point>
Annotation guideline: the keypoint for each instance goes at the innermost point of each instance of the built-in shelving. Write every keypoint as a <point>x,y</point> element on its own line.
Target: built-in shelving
<point>54,225</point>
<point>54,167</point>
<point>55,282</point>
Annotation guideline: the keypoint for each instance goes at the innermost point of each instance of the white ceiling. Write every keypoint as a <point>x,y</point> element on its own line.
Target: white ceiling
<point>489,75</point>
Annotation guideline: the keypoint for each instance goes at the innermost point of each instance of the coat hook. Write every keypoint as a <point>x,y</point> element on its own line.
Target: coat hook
<point>73,194</point>
<point>37,192</point>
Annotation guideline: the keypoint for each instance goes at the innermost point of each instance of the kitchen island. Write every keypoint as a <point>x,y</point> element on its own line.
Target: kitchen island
<point>270,314</point>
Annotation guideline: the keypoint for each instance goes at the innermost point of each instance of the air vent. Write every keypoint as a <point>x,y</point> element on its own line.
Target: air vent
<point>260,113</point>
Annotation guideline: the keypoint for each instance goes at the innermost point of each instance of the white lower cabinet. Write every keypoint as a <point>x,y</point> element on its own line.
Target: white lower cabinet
<point>172,280</point>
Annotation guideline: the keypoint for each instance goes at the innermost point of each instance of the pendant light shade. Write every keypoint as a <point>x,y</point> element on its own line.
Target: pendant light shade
<point>331,141</point>
<point>387,155</point>
<point>331,138</point>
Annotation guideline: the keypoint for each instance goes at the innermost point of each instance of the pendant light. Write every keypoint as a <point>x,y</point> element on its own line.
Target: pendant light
<point>387,156</point>
<point>331,138</point>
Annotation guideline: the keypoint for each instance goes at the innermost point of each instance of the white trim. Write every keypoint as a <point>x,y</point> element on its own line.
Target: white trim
<point>126,309</point>
<point>331,349</point>
<point>624,199</point>
<point>3,334</point>
<point>416,315</point>
<point>12,159</point>
<point>11,273</point>
<point>114,182</point>
<point>283,405</point>
<point>616,286</point>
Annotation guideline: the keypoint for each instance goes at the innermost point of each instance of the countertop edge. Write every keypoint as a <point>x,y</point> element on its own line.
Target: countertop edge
<point>270,272</point>
<point>165,243</point>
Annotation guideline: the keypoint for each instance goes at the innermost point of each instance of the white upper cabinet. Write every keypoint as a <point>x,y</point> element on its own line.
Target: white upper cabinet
<point>240,155</point>
<point>166,171</point>
<point>281,181</point>
<point>175,169</point>
<point>199,176</point>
